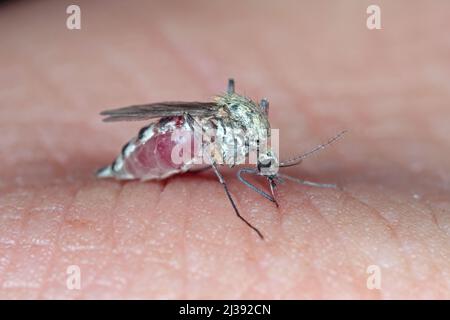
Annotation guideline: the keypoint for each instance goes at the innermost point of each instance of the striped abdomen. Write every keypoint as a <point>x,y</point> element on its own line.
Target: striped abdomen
<point>156,153</point>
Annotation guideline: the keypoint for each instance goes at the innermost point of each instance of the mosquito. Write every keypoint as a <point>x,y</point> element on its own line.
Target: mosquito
<point>149,155</point>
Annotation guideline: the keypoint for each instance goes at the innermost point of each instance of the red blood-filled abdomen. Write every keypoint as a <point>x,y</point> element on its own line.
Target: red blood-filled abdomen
<point>153,158</point>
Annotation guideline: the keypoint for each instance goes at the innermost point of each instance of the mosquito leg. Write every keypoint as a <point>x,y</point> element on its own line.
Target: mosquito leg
<point>308,183</point>
<point>222,181</point>
<point>230,88</point>
<point>251,186</point>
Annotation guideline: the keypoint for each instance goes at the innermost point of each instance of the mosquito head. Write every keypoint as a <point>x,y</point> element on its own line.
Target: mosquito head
<point>267,164</point>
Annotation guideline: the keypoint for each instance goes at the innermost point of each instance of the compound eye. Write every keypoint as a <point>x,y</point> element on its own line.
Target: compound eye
<point>265,163</point>
<point>268,164</point>
<point>264,104</point>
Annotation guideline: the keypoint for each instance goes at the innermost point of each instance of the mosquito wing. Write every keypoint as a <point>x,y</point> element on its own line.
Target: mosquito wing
<point>160,109</point>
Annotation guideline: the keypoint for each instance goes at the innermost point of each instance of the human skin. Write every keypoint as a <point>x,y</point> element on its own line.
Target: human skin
<point>321,69</point>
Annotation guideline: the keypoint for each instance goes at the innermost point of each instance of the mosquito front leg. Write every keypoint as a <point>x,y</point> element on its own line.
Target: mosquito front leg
<point>251,186</point>
<point>222,181</point>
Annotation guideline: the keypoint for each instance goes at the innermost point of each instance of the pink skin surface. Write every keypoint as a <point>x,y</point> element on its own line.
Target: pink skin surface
<point>322,70</point>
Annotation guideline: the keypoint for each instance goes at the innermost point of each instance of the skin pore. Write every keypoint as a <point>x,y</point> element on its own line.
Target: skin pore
<point>321,69</point>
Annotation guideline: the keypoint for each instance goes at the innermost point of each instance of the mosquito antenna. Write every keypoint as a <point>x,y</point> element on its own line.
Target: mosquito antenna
<point>297,160</point>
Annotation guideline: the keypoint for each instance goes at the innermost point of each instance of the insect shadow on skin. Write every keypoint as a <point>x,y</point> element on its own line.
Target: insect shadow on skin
<point>148,156</point>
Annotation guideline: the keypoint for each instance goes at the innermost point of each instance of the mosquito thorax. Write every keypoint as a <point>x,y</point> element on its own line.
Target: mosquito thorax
<point>241,123</point>
<point>245,112</point>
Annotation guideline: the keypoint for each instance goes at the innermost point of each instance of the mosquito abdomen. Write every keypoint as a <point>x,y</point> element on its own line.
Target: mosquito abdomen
<point>151,154</point>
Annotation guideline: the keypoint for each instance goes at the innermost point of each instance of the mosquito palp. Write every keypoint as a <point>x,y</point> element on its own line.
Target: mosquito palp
<point>251,186</point>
